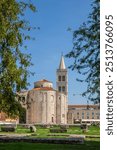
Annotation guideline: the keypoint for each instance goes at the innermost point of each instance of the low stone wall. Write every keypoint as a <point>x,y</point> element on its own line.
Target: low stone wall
<point>58,130</point>
<point>79,140</point>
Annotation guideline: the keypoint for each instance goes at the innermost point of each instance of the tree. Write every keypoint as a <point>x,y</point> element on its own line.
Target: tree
<point>14,62</point>
<point>86,53</point>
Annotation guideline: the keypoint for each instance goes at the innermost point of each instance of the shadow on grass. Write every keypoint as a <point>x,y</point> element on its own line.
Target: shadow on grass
<point>88,145</point>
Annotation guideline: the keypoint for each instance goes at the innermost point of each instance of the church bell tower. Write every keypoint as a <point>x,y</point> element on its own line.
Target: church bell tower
<point>62,78</point>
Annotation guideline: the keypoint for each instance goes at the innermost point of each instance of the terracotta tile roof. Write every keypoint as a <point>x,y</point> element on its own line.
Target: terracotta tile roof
<point>44,89</point>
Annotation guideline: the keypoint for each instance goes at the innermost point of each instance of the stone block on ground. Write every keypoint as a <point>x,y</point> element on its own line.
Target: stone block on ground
<point>58,130</point>
<point>84,126</point>
<point>33,129</point>
<point>84,130</point>
<point>8,129</point>
<point>45,126</point>
<point>64,126</point>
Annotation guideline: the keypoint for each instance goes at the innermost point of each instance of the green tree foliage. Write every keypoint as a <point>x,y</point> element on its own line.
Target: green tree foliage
<point>86,53</point>
<point>14,62</point>
<point>22,116</point>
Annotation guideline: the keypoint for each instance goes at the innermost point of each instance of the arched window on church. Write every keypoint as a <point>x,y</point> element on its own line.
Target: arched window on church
<point>63,78</point>
<point>59,88</point>
<point>63,89</point>
<point>59,78</point>
<point>52,119</point>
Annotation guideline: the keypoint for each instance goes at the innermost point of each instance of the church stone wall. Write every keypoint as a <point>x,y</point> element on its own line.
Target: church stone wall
<point>61,108</point>
<point>42,107</point>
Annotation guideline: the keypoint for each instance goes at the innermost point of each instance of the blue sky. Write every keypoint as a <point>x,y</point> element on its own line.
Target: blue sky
<point>54,17</point>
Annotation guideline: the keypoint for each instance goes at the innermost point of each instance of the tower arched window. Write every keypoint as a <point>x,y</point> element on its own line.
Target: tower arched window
<point>59,78</point>
<point>63,89</point>
<point>59,88</point>
<point>63,78</point>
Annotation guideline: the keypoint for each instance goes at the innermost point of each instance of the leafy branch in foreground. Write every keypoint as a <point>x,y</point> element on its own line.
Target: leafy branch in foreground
<point>86,53</point>
<point>14,62</point>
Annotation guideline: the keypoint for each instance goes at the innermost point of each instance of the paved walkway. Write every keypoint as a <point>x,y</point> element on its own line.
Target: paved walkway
<point>14,135</point>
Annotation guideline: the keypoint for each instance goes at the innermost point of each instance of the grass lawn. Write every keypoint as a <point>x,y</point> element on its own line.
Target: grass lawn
<point>89,145</point>
<point>43,132</point>
<point>92,130</point>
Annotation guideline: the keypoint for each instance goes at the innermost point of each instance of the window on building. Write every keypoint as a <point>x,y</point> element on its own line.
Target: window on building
<point>98,115</point>
<point>87,113</point>
<point>59,88</point>
<point>82,115</point>
<point>63,88</point>
<point>63,78</point>
<point>73,108</point>
<point>92,117</point>
<point>92,113</point>
<point>87,117</point>
<point>52,119</point>
<point>77,114</point>
<point>59,78</point>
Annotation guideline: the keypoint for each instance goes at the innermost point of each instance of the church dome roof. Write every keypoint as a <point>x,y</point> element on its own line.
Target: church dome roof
<point>43,84</point>
<point>44,89</point>
<point>44,80</point>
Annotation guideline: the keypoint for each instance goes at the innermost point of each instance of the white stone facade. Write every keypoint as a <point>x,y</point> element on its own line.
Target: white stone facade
<point>76,113</point>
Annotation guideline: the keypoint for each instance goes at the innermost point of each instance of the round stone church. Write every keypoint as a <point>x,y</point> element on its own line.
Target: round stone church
<point>46,105</point>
